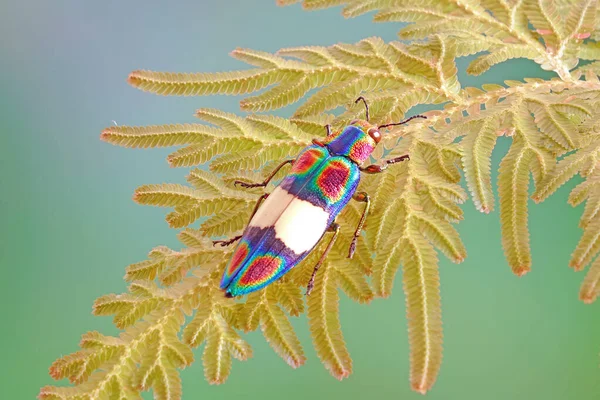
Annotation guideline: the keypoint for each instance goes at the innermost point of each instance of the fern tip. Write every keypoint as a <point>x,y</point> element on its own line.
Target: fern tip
<point>235,51</point>
<point>245,106</point>
<point>419,388</point>
<point>53,372</point>
<point>136,197</point>
<point>341,375</point>
<point>295,362</point>
<point>521,270</point>
<point>587,297</point>
<point>576,265</point>
<point>133,78</point>
<point>46,393</point>
<point>105,135</point>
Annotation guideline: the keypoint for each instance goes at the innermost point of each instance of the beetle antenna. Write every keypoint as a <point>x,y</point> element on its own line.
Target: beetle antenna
<point>403,122</point>
<point>366,105</point>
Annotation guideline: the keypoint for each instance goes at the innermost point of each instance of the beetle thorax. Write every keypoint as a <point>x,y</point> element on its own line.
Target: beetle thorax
<point>356,141</point>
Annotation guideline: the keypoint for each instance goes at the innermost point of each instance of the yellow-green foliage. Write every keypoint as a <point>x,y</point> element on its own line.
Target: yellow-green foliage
<point>415,204</point>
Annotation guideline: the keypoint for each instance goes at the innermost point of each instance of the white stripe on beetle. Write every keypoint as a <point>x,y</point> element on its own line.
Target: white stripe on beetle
<point>271,209</point>
<point>298,223</point>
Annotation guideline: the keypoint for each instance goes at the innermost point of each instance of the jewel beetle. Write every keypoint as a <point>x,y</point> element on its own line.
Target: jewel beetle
<point>287,224</point>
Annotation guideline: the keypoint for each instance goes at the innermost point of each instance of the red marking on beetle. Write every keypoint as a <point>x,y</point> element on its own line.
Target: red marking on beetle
<point>361,150</point>
<point>306,161</point>
<point>333,179</point>
<point>238,257</point>
<point>261,269</point>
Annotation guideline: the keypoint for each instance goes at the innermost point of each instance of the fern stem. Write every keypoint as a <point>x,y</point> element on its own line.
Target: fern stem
<point>416,128</point>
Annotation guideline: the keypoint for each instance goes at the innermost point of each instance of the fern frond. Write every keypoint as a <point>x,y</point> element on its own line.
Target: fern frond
<point>513,182</point>
<point>348,274</point>
<point>146,270</point>
<point>222,343</point>
<point>589,51</point>
<point>207,183</point>
<point>476,161</point>
<point>180,84</point>
<point>287,2</point>
<point>127,309</point>
<point>589,244</point>
<point>157,136</point>
<point>279,332</point>
<point>191,204</point>
<point>167,195</point>
<point>325,327</point>
<point>421,287</point>
<point>196,330</point>
<point>553,124</point>
<point>263,309</point>
<point>257,58</point>
<point>581,20</point>
<point>249,315</point>
<point>442,235</point>
<point>566,169</point>
<point>286,93</point>
<point>388,205</point>
<point>318,4</point>
<point>545,18</point>
<point>200,153</point>
<point>100,385</point>
<point>281,128</point>
<point>78,367</point>
<point>590,288</point>
<point>290,297</point>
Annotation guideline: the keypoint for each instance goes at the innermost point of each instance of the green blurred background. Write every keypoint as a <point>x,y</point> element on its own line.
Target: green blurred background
<point>69,226</point>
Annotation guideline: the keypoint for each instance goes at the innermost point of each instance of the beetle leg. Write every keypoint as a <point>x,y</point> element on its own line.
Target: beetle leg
<point>266,181</point>
<point>364,198</point>
<point>225,243</point>
<point>328,129</point>
<point>375,169</point>
<point>335,228</point>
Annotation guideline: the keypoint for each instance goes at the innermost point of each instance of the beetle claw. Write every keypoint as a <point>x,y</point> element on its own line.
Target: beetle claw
<point>309,288</point>
<point>352,249</point>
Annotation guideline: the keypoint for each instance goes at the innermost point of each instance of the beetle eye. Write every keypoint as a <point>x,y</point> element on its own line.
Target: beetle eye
<point>375,135</point>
